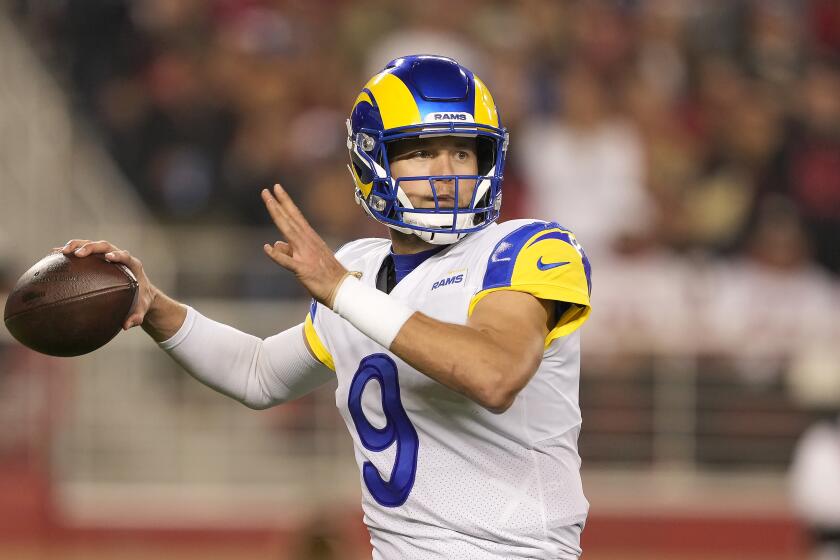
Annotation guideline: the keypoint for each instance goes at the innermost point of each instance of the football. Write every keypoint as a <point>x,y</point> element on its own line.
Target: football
<point>69,306</point>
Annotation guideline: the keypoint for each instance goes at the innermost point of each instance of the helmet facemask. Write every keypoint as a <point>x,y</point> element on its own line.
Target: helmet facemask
<point>388,202</point>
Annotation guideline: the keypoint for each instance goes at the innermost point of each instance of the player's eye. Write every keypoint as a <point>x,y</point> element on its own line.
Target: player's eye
<point>463,155</point>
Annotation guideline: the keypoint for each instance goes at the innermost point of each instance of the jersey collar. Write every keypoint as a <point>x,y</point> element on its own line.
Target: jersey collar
<point>404,264</point>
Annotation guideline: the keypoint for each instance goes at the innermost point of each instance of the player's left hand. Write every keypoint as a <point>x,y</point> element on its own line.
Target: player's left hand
<point>304,253</point>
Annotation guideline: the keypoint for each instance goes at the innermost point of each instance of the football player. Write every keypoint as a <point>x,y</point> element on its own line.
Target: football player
<point>455,342</point>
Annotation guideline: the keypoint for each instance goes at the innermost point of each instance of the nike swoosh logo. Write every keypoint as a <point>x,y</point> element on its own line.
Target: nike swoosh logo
<point>547,266</point>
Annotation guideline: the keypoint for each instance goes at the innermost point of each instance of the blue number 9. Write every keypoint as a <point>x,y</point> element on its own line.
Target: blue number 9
<point>395,491</point>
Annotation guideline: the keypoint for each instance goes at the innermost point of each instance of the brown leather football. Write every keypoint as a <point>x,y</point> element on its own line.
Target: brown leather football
<point>68,306</point>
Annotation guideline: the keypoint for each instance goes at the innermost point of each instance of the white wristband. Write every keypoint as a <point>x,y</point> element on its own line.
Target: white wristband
<point>375,313</point>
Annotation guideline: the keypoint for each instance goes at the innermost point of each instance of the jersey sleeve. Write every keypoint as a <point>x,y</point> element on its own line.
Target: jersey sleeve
<point>546,261</point>
<point>316,342</point>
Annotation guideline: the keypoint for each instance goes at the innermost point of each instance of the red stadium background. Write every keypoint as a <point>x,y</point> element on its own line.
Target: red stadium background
<point>694,147</point>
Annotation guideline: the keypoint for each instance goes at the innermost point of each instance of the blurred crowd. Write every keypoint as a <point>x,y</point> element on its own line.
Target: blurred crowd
<point>668,134</point>
<point>709,127</point>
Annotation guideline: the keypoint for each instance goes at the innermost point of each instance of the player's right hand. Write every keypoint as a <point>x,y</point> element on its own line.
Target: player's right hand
<point>146,292</point>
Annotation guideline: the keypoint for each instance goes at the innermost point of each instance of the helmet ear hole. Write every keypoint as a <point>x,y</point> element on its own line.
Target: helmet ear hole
<point>363,171</point>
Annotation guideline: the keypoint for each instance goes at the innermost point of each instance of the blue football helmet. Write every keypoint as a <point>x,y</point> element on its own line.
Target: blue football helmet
<point>423,96</point>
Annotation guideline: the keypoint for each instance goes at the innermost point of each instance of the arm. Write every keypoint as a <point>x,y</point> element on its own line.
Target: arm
<point>491,358</point>
<point>164,316</point>
<point>258,373</point>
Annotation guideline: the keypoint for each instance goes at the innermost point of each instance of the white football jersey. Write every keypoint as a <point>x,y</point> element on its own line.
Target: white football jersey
<point>441,476</point>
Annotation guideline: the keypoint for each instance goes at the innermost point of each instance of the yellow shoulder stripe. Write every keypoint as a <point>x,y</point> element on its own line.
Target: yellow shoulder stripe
<point>575,316</point>
<point>316,345</point>
<point>549,265</point>
<point>571,320</point>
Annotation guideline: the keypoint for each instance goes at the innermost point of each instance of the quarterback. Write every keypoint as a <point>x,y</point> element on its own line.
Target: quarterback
<point>455,342</point>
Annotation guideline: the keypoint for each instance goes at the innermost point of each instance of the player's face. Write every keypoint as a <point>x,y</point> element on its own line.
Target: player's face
<point>441,155</point>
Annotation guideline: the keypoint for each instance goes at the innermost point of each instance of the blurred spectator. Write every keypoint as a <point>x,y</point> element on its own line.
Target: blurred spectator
<point>422,30</point>
<point>815,486</point>
<point>745,131</point>
<point>808,168</point>
<point>331,206</point>
<point>774,39</point>
<point>661,55</point>
<point>775,305</point>
<point>260,156</point>
<point>823,23</point>
<point>646,127</point>
<point>584,167</point>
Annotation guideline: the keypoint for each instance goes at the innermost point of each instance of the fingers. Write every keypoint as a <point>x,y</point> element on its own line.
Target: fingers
<point>133,320</point>
<point>281,253</point>
<point>280,246</point>
<point>124,257</point>
<point>138,312</point>
<point>135,317</point>
<point>288,205</point>
<point>284,212</point>
<point>279,215</point>
<point>83,248</point>
<point>72,245</point>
